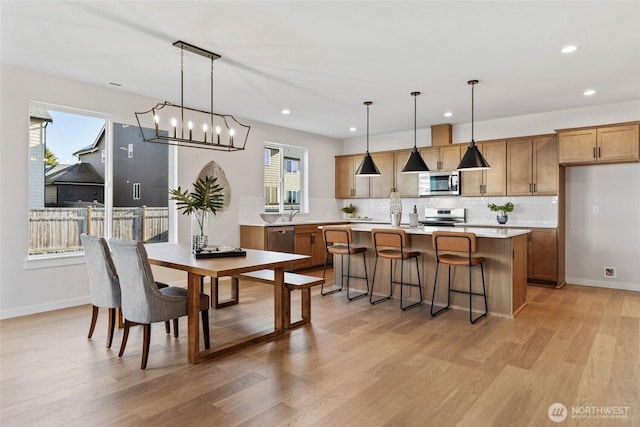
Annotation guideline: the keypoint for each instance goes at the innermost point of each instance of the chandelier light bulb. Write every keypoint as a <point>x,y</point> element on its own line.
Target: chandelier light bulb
<point>218,134</point>
<point>231,133</point>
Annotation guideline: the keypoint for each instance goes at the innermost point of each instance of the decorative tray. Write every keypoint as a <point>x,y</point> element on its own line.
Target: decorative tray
<point>219,252</point>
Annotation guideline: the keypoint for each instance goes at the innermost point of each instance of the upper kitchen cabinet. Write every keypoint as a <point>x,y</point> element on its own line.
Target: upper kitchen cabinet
<point>492,181</point>
<point>442,158</point>
<point>406,183</point>
<point>348,185</point>
<point>603,144</point>
<point>532,166</point>
<point>382,186</point>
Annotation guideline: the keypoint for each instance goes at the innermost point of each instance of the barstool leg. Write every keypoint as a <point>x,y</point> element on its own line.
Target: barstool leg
<point>333,291</point>
<point>402,285</point>
<point>435,284</point>
<point>349,297</point>
<point>484,294</point>
<point>373,284</point>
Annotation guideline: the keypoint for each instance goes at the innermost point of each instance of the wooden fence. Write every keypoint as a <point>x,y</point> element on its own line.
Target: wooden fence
<point>57,230</point>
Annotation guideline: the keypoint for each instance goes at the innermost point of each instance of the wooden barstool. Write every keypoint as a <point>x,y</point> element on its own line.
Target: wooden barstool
<point>457,242</point>
<point>391,244</point>
<point>338,241</point>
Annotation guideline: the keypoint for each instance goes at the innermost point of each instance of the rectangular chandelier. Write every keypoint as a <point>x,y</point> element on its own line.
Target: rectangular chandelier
<point>192,127</point>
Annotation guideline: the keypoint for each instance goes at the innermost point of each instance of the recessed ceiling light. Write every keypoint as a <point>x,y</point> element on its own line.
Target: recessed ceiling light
<point>286,111</point>
<point>448,114</point>
<point>569,49</point>
<point>353,129</point>
<point>589,92</point>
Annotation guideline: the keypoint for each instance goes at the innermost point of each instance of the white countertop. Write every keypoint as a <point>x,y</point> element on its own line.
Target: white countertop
<point>295,222</point>
<point>509,225</point>
<point>487,232</point>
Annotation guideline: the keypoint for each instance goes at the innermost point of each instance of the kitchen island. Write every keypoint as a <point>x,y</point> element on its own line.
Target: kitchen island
<point>505,269</point>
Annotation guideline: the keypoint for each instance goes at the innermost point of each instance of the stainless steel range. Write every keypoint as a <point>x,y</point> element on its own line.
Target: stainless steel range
<point>443,217</point>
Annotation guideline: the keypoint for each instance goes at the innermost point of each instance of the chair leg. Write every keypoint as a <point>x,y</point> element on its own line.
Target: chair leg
<point>373,284</point>
<point>433,298</point>
<point>175,328</point>
<point>402,285</point>
<point>112,326</point>
<point>205,329</point>
<point>167,327</point>
<point>349,297</point>
<point>146,333</point>
<point>94,319</point>
<point>484,294</point>
<point>333,291</point>
<point>125,336</point>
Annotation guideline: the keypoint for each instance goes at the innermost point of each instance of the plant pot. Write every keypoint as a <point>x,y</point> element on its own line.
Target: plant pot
<point>502,217</point>
<point>199,231</point>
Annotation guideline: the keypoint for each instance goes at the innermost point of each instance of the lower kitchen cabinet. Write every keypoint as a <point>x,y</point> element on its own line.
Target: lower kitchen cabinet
<point>543,266</point>
<point>308,241</point>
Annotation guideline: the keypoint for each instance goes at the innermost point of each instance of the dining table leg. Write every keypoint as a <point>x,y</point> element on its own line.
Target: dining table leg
<point>278,300</point>
<point>193,318</point>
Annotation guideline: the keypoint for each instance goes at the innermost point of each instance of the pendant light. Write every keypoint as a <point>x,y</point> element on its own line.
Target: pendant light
<point>472,159</point>
<point>367,167</point>
<point>415,163</point>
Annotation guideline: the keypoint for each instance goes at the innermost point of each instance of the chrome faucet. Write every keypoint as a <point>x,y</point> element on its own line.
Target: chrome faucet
<point>293,213</point>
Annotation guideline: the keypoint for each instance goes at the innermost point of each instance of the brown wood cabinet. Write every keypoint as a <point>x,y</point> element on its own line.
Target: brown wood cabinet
<point>308,241</point>
<point>347,184</point>
<point>532,166</point>
<point>406,183</point>
<point>604,144</point>
<point>490,182</point>
<point>383,185</point>
<point>543,256</point>
<point>442,158</point>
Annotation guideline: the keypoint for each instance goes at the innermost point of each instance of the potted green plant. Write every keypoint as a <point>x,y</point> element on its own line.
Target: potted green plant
<point>349,210</point>
<point>207,196</point>
<point>502,210</point>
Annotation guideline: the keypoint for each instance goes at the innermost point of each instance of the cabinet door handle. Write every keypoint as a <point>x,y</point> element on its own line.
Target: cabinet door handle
<point>535,188</point>
<point>599,153</point>
<point>594,152</point>
<point>530,188</point>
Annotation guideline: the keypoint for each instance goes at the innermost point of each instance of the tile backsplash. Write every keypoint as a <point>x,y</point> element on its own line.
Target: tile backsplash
<point>528,209</point>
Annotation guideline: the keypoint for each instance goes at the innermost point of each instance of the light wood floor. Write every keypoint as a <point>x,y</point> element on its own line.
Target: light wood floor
<point>355,365</point>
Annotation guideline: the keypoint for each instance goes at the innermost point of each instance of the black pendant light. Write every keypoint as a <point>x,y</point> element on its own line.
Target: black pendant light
<point>415,163</point>
<point>472,159</point>
<point>367,167</point>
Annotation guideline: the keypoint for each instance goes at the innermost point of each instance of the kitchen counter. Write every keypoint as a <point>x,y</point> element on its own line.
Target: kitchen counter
<point>484,232</point>
<point>508,225</point>
<point>294,222</point>
<point>505,269</point>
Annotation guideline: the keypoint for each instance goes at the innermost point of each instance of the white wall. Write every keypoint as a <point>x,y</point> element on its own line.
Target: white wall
<point>29,290</point>
<point>603,225</point>
<point>610,238</point>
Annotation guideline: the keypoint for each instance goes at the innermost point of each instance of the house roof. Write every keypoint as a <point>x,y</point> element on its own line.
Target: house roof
<point>93,147</point>
<point>80,173</point>
<point>40,113</point>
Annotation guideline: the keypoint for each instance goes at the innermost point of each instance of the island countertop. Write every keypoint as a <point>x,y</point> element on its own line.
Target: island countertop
<point>488,232</point>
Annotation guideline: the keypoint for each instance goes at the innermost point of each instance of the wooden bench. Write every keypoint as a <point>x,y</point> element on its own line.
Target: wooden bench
<point>292,281</point>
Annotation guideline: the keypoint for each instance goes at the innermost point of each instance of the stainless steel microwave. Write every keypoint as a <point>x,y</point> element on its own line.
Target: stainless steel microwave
<point>439,184</point>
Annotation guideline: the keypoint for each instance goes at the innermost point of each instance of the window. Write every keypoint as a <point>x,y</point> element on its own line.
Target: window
<point>291,165</point>
<point>136,191</point>
<point>67,181</point>
<point>284,177</point>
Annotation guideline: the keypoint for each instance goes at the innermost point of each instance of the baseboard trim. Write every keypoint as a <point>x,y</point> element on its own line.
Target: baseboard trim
<point>41,308</point>
<point>622,286</point>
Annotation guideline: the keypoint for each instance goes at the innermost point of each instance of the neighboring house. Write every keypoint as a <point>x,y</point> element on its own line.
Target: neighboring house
<point>135,178</point>
<point>39,118</point>
<point>292,183</point>
<point>73,186</point>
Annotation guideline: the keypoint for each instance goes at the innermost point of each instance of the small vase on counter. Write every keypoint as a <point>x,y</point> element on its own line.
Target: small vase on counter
<point>413,217</point>
<point>502,217</point>
<point>395,209</point>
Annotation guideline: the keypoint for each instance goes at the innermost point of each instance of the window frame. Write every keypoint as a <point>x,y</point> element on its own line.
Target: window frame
<point>72,258</point>
<point>302,170</point>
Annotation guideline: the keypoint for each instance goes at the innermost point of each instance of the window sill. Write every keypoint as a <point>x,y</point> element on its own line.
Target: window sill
<point>47,261</point>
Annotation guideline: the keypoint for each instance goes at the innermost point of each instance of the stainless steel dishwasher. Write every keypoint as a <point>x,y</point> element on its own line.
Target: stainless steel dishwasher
<point>280,239</point>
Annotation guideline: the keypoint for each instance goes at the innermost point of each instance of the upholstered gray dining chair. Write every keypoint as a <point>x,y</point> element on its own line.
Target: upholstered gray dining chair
<point>142,301</point>
<point>104,287</point>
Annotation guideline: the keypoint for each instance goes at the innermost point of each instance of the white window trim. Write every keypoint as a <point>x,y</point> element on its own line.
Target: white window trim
<point>303,170</point>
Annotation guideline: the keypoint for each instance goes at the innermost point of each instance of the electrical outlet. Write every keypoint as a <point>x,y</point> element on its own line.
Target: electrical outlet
<point>595,210</point>
<point>610,272</point>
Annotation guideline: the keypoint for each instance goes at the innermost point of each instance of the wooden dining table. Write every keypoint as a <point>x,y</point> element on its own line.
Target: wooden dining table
<point>179,257</point>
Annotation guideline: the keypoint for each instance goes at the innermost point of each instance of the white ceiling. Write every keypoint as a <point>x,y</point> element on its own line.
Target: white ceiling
<point>322,59</point>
